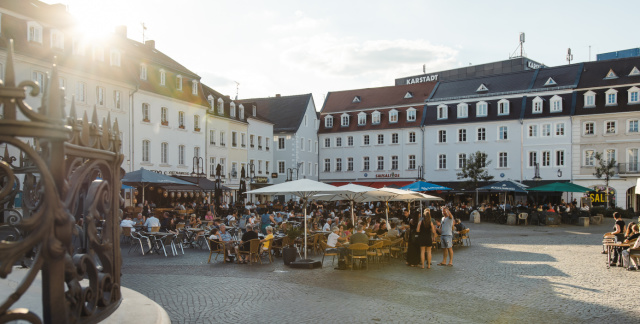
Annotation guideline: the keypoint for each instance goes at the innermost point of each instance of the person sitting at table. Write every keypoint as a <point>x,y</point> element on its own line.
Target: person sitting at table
<point>140,219</point>
<point>232,217</point>
<point>626,255</point>
<point>208,216</point>
<point>382,228</point>
<point>359,236</point>
<point>393,232</point>
<point>227,240</point>
<point>267,239</point>
<point>327,225</point>
<point>214,235</point>
<point>278,218</point>
<point>282,229</point>
<point>245,245</point>
<point>458,225</point>
<point>127,222</point>
<point>618,231</point>
<point>165,224</point>
<point>194,221</point>
<point>265,220</point>
<point>152,221</point>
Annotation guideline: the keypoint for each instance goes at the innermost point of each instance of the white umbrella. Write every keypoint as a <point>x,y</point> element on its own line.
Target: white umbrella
<point>351,192</point>
<point>303,189</point>
<point>421,197</point>
<point>390,194</point>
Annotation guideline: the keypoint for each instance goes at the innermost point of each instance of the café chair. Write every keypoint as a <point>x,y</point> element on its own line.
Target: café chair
<point>254,251</point>
<point>358,251</point>
<point>217,247</point>
<point>333,254</point>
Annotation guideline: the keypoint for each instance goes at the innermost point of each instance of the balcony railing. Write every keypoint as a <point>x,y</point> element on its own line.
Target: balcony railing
<point>629,168</point>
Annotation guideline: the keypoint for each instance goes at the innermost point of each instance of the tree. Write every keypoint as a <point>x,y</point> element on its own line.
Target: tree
<point>475,170</point>
<point>606,168</point>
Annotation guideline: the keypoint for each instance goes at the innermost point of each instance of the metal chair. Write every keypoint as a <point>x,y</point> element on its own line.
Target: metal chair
<point>126,234</point>
<point>168,241</point>
<point>139,238</point>
<point>177,241</point>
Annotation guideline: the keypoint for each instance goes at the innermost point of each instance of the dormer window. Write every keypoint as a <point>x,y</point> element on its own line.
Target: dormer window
<point>194,87</point>
<point>555,104</point>
<point>633,95</point>
<point>114,58</point>
<point>163,77</point>
<point>443,112</point>
<point>537,105</point>
<point>634,71</point>
<point>362,118</point>
<point>612,97</point>
<point>211,101</point>
<point>143,71</point>
<point>408,95</point>
<point>255,111</point>
<point>220,107</point>
<point>503,107</point>
<point>356,99</point>
<point>411,114</point>
<point>375,117</point>
<point>550,82</point>
<point>34,32</point>
<point>232,109</point>
<point>393,116</point>
<point>481,109</point>
<point>610,75</point>
<point>344,120</point>
<point>241,111</point>
<point>328,121</point>
<point>589,99</point>
<point>178,82</point>
<point>463,110</point>
<point>57,39</point>
<point>482,88</point>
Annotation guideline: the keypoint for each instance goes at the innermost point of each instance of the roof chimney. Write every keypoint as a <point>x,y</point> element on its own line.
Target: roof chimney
<point>277,95</point>
<point>150,43</point>
<point>121,31</point>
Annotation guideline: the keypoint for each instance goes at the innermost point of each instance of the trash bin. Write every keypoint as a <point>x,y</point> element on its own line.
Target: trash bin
<point>511,219</point>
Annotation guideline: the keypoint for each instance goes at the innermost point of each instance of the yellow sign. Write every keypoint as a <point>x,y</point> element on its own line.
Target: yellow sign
<point>598,197</point>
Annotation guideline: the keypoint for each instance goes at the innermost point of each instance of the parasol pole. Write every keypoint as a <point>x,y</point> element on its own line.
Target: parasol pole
<point>305,228</point>
<point>353,219</point>
<point>387,212</point>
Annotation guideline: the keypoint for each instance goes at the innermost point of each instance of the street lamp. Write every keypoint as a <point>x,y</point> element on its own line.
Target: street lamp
<point>252,174</point>
<point>217,191</point>
<point>537,178</point>
<point>198,168</point>
<point>420,174</point>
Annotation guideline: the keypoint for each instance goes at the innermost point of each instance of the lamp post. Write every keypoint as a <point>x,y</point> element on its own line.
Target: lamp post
<point>537,178</point>
<point>197,169</point>
<point>420,173</point>
<point>252,175</point>
<point>217,191</point>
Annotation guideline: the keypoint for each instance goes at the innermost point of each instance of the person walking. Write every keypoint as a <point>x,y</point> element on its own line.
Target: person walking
<point>446,238</point>
<point>426,232</point>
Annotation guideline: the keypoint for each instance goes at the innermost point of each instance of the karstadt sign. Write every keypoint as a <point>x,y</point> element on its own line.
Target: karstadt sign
<point>424,78</point>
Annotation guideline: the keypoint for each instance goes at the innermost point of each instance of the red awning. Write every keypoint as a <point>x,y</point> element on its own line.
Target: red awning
<point>375,184</point>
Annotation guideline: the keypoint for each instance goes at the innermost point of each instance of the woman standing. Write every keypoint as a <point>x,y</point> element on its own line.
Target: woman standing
<point>413,257</point>
<point>426,232</point>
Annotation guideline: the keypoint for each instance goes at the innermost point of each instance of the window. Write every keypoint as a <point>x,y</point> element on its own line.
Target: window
<point>394,162</point>
<point>338,165</point>
<point>412,162</point>
<point>463,110</point>
<point>252,141</point>
<point>194,89</point>
<point>260,143</point>
<point>411,114</point>
<point>503,107</point>
<point>546,158</point>
<point>481,134</point>
<point>178,82</point>
<point>114,58</point>
<point>34,32</point>
<point>220,107</point>
<point>375,117</point>
<point>365,163</point>
<point>589,128</point>
<point>533,159</point>
<point>612,97</point>
<point>380,162</point>
<point>442,161</point>
<point>164,153</point>
<point>327,165</point>
<point>117,101</point>
<point>349,164</point>
<point>77,47</point>
<point>163,81</point>
<point>633,126</point>
<point>196,123</point>
<point>327,142</point>
<point>481,109</point>
<point>180,154</point>
<point>537,105</point>
<point>362,119</point>
<point>503,133</point>
<point>356,99</point>
<point>145,150</point>
<point>589,158</point>
<point>394,138</point>
<point>338,141</point>
<point>344,120</point>
<point>462,161</point>
<point>310,169</point>
<point>223,165</point>
<point>196,151</point>
<point>502,160</point>
<point>546,130</point>
<point>560,158</point>
<point>610,127</point>
<point>442,136</point>
<point>533,131</point>
<point>610,154</point>
<point>442,112</point>
<point>380,139</point>
<point>181,119</point>
<point>280,143</point>
<point>234,139</point>
<point>38,77</point>
<point>234,169</point>
<point>393,116</point>
<point>212,137</point>
<point>232,109</point>
<point>143,72</point>
<point>412,137</point>
<point>462,135</point>
<point>98,53</point>
<point>100,96</point>
<point>632,159</point>
<point>222,139</point>
<point>281,167</point>
<point>556,104</point>
<point>633,95</point>
<point>365,140</point>
<point>589,99</point>
<point>145,112</point>
<point>328,122</point>
<point>560,129</point>
<point>164,115</point>
<point>349,141</point>
<point>243,140</point>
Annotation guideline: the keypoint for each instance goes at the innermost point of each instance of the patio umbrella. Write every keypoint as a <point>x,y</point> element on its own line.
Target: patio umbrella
<point>390,194</point>
<point>145,178</point>
<point>506,186</point>
<point>424,186</point>
<point>561,187</point>
<point>351,192</point>
<point>304,189</point>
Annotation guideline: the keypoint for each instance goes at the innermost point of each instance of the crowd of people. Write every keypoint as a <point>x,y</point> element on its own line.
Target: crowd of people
<point>628,234</point>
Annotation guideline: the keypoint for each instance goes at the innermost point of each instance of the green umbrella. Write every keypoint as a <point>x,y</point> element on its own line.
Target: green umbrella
<point>561,187</point>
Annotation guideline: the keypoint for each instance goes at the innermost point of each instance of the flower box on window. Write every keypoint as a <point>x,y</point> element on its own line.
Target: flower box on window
<point>181,126</point>
<point>146,120</point>
<point>196,129</point>
<point>165,123</point>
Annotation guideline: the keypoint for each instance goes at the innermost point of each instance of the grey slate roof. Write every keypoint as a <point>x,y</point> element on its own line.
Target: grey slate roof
<point>501,83</point>
<point>286,112</point>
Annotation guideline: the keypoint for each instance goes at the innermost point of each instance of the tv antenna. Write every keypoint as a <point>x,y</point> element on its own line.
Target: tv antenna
<point>237,88</point>
<point>569,55</point>
<point>520,47</point>
<point>143,30</point>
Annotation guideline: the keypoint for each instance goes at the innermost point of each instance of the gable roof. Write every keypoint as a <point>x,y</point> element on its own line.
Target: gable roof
<point>286,112</point>
<point>594,72</point>
<point>341,101</point>
<point>495,84</point>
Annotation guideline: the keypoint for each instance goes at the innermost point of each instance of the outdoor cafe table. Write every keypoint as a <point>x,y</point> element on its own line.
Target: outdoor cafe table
<point>610,247</point>
<point>155,237</point>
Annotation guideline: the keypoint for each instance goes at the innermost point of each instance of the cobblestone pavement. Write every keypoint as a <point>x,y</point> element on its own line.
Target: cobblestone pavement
<point>510,273</point>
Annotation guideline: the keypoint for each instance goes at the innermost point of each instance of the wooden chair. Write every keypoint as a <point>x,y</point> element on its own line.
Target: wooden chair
<point>254,251</point>
<point>217,247</point>
<point>180,226</point>
<point>374,252</point>
<point>396,247</point>
<point>155,229</point>
<point>385,249</point>
<point>126,234</point>
<point>464,235</point>
<point>358,251</point>
<point>267,251</point>
<point>323,246</point>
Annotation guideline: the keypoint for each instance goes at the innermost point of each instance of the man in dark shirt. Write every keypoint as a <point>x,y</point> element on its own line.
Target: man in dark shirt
<point>246,245</point>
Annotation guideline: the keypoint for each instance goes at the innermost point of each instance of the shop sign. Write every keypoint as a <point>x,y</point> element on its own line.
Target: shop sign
<point>261,179</point>
<point>274,175</point>
<point>425,78</point>
<point>388,175</point>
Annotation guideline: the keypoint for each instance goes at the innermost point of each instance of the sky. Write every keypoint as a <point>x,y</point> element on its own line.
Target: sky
<point>297,47</point>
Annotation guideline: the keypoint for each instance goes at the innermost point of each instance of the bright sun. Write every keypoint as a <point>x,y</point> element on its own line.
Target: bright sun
<point>96,19</point>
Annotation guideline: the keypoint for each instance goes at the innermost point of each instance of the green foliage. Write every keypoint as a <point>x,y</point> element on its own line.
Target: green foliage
<point>293,233</point>
<point>605,168</point>
<point>475,170</point>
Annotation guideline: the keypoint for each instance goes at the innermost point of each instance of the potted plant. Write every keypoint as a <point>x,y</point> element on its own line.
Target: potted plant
<point>289,252</point>
<point>165,123</point>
